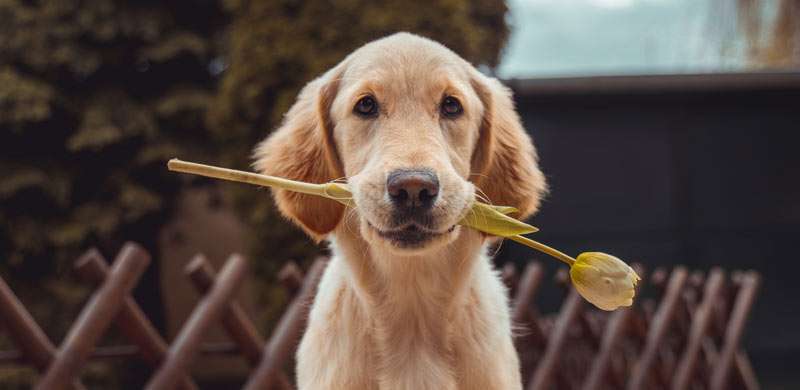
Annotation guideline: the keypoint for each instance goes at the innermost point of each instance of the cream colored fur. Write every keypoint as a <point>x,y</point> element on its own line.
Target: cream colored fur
<point>389,318</point>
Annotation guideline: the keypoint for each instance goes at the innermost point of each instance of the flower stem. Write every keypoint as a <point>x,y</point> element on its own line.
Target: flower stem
<point>245,177</point>
<point>328,190</point>
<point>543,248</point>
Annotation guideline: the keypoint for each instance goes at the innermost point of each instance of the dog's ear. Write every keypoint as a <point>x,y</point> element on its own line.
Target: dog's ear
<point>303,149</point>
<point>505,164</point>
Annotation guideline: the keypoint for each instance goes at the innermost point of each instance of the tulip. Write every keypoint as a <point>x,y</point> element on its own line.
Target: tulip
<point>602,279</point>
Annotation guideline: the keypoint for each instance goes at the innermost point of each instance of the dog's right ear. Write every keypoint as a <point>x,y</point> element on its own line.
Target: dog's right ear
<point>303,149</point>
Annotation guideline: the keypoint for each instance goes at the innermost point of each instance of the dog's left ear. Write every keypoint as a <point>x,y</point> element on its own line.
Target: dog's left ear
<point>303,149</point>
<point>505,164</point>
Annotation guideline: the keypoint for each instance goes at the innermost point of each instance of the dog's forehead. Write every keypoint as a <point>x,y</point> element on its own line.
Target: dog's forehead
<point>405,61</point>
<point>404,47</point>
<point>411,82</point>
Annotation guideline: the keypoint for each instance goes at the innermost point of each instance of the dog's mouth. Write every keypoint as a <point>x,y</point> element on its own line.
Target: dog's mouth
<point>411,236</point>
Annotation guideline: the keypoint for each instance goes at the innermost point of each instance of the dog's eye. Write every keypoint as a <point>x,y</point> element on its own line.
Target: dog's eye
<point>366,107</point>
<point>451,107</point>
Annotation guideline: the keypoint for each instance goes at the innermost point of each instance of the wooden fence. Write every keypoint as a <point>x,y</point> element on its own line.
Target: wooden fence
<point>685,336</point>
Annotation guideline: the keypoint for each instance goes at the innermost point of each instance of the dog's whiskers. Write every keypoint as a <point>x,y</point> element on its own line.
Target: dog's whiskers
<point>349,214</point>
<point>483,196</point>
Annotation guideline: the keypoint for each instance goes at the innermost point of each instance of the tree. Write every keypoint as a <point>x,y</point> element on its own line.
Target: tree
<point>95,96</point>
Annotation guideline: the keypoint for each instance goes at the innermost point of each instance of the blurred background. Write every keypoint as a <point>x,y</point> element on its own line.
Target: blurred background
<point>668,130</point>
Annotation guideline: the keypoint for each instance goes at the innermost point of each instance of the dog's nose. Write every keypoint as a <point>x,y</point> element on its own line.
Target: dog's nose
<point>412,188</point>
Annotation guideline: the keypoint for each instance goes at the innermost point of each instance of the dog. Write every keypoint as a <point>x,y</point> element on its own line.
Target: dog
<point>409,299</point>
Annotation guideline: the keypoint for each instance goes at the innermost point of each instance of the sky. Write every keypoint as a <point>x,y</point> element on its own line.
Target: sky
<point>597,37</point>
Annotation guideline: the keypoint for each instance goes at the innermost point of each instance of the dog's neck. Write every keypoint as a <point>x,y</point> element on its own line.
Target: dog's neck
<point>411,299</point>
<point>440,275</point>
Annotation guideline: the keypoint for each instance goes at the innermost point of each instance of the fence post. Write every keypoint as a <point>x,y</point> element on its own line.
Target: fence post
<point>700,323</point>
<point>95,318</point>
<point>526,291</point>
<point>235,320</point>
<point>615,330</point>
<point>658,329</point>
<point>208,311</point>
<point>131,321</point>
<point>549,363</point>
<point>28,336</point>
<point>287,332</point>
<point>736,322</point>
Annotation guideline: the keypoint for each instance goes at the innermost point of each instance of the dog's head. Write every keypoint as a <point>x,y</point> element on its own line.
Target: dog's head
<point>417,132</point>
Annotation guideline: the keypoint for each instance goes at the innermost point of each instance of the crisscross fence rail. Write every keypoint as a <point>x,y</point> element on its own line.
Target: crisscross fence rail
<point>686,334</point>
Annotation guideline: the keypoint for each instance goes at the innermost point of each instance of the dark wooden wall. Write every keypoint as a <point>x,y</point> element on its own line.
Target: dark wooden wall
<point>699,170</point>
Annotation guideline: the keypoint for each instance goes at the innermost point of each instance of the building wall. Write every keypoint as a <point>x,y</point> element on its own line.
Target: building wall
<point>667,171</point>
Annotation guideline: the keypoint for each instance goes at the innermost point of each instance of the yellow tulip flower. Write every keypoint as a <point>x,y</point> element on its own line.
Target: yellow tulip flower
<point>604,280</point>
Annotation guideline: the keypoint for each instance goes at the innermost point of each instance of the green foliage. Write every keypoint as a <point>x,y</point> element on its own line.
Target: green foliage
<point>94,97</point>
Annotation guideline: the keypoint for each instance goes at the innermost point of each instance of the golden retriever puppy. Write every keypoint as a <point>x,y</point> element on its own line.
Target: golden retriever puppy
<point>409,300</point>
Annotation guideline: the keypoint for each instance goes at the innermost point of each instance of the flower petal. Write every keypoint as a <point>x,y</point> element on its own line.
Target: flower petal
<point>604,280</point>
